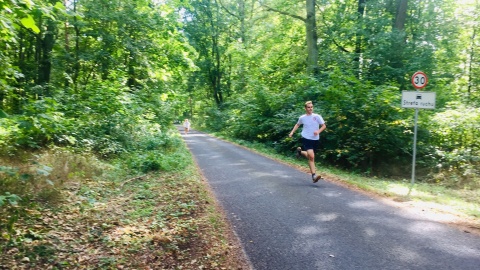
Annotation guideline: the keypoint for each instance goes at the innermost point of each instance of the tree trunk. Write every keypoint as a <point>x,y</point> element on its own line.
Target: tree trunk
<point>398,41</point>
<point>46,47</point>
<point>358,37</point>
<point>401,15</point>
<point>131,81</point>
<point>76,67</point>
<point>312,47</point>
<point>470,64</point>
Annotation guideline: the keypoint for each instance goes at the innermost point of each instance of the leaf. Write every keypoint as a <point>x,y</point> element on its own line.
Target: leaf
<point>3,114</point>
<point>29,4</point>
<point>45,170</point>
<point>59,5</point>
<point>29,23</point>
<point>25,176</point>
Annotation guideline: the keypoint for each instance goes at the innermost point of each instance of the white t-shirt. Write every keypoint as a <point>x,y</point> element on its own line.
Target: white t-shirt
<point>310,124</point>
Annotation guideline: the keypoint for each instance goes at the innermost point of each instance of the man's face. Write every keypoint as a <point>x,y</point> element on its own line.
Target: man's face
<point>309,108</point>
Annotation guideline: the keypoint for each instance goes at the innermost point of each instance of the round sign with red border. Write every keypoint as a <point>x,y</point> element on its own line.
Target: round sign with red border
<point>419,80</point>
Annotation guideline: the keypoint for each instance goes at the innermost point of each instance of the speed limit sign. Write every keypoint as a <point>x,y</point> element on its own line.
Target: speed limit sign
<point>419,80</point>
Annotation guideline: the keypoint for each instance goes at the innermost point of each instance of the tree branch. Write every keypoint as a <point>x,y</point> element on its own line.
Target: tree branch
<point>284,13</point>
<point>339,46</point>
<point>132,179</point>
<point>228,11</point>
<point>333,39</point>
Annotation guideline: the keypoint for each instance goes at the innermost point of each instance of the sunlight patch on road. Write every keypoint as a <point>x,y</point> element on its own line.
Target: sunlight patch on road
<point>332,194</point>
<point>406,255</point>
<point>326,217</point>
<point>370,232</point>
<point>367,205</point>
<point>308,230</point>
<point>193,135</point>
<point>240,163</point>
<point>423,227</point>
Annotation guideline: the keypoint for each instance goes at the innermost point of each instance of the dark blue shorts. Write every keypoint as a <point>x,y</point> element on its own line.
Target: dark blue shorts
<point>310,144</point>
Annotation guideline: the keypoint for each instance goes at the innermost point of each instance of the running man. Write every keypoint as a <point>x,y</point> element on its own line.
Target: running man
<point>313,125</point>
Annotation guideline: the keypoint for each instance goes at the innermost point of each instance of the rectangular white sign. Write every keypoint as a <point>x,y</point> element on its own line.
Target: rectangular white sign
<point>417,99</point>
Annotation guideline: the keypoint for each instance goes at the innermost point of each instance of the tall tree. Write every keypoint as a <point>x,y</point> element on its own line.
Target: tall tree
<point>207,30</point>
<point>358,36</point>
<point>311,37</point>
<point>398,40</point>
<point>473,86</point>
<point>44,48</point>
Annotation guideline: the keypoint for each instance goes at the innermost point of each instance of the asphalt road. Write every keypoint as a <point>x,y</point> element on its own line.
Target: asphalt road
<point>284,221</point>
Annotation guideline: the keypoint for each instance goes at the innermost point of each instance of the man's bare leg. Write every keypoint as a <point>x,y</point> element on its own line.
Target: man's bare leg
<point>310,155</point>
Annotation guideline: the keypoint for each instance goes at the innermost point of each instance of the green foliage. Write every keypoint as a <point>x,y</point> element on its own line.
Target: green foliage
<point>455,146</point>
<point>262,117</point>
<point>157,152</point>
<point>212,118</point>
<point>40,124</point>
<point>14,180</point>
<point>105,135</point>
<point>355,114</point>
<point>9,213</point>
<point>366,61</point>
<point>91,75</point>
<point>8,130</point>
<point>116,67</point>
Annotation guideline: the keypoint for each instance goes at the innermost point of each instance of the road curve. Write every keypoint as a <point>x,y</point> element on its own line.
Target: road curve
<point>284,221</point>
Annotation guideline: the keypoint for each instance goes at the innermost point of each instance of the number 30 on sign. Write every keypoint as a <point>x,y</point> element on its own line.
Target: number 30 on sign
<point>419,80</point>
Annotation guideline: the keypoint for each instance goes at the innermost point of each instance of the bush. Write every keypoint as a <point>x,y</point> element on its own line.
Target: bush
<point>9,214</point>
<point>154,152</point>
<point>455,146</point>
<point>41,123</point>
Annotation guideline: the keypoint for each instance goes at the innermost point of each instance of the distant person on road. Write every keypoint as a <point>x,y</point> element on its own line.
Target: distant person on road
<point>313,125</point>
<point>186,126</point>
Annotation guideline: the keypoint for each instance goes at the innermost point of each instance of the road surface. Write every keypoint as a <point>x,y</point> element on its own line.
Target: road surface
<point>284,221</point>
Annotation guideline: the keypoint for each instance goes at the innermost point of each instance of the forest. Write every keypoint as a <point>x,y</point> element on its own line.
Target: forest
<point>87,74</point>
<point>107,79</point>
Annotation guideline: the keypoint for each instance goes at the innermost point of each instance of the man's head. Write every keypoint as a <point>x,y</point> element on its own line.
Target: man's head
<point>309,107</point>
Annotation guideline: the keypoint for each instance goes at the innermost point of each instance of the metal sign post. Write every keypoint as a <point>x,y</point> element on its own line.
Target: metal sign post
<point>412,182</point>
<point>417,100</point>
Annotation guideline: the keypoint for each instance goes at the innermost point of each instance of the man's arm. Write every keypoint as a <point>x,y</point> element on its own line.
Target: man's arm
<point>322,128</point>
<point>293,130</point>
